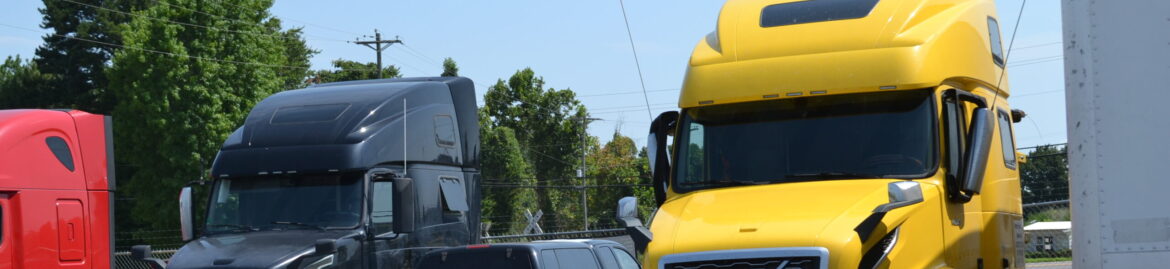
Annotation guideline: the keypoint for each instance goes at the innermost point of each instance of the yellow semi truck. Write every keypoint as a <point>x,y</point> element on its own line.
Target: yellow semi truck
<point>838,134</point>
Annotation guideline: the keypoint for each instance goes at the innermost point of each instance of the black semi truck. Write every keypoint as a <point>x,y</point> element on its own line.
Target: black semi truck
<point>361,174</point>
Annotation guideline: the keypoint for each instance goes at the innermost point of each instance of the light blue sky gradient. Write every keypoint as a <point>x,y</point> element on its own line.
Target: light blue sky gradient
<point>582,45</point>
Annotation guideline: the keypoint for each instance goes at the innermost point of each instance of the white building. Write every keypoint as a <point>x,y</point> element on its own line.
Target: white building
<point>1049,235</point>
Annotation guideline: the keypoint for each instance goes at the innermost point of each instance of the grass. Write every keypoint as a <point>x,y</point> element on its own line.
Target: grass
<point>1053,259</point>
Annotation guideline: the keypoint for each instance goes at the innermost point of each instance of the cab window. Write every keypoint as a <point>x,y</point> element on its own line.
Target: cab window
<point>1005,136</point>
<point>996,44</point>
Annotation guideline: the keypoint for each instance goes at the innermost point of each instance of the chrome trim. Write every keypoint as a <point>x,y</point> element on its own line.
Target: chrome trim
<point>754,253</point>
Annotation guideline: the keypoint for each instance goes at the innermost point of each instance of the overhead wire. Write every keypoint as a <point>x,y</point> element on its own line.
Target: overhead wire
<point>624,93</point>
<point>237,20</point>
<point>184,24</point>
<point>291,19</point>
<point>1008,55</point>
<point>637,63</point>
<point>154,51</point>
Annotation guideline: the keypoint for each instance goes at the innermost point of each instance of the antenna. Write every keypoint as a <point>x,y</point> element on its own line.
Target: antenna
<point>404,173</point>
<point>1012,42</point>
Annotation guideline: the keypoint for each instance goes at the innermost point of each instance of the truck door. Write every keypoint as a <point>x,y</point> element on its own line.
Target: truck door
<point>964,219</point>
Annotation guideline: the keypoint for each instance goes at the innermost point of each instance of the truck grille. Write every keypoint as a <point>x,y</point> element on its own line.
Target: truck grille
<point>761,263</point>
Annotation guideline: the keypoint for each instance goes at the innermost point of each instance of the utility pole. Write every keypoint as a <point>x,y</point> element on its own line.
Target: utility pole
<point>581,172</point>
<point>377,46</point>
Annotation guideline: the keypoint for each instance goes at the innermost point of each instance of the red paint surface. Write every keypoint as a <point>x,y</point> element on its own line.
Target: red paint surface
<point>52,217</point>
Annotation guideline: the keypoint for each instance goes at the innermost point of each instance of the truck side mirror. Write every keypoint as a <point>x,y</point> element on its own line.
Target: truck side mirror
<point>405,197</point>
<point>978,147</point>
<point>627,213</point>
<point>656,150</point>
<point>186,220</point>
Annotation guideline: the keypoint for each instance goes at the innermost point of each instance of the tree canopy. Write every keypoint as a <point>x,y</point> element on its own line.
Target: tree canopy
<point>22,85</point>
<point>1044,177</point>
<point>550,136</point>
<point>346,70</point>
<point>184,89</point>
<point>449,68</point>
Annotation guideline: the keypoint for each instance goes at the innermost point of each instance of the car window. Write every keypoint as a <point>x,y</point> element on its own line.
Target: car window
<point>548,259</point>
<point>625,260</point>
<point>487,258</point>
<point>576,258</point>
<point>606,258</point>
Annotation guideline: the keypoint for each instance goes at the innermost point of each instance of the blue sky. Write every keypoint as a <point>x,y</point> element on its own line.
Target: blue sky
<point>582,45</point>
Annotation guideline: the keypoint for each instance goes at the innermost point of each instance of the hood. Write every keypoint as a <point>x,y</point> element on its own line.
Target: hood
<point>263,249</point>
<point>821,213</point>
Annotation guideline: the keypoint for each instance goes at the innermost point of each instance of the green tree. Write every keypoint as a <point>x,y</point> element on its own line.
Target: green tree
<point>449,68</point>
<point>297,54</point>
<point>77,63</point>
<point>22,85</point>
<point>176,108</point>
<point>1044,177</point>
<point>618,166</point>
<point>503,168</point>
<point>549,133</point>
<point>345,70</point>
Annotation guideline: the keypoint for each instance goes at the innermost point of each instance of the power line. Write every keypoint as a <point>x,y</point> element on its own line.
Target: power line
<point>636,62</point>
<point>185,24</point>
<point>291,19</point>
<point>229,19</point>
<point>377,46</point>
<point>156,51</point>
<point>623,93</point>
<point>424,55</point>
<point>1015,30</point>
<point>625,107</point>
<point>1039,45</point>
<point>1038,61</point>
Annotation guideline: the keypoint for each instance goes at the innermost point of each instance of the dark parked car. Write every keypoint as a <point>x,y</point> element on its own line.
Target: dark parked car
<point>554,254</point>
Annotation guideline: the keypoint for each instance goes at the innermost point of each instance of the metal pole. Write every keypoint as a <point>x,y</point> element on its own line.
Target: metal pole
<point>584,191</point>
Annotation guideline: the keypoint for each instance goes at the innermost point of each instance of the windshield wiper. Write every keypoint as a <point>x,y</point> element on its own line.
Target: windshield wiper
<point>235,227</point>
<point>301,224</point>
<point>831,175</point>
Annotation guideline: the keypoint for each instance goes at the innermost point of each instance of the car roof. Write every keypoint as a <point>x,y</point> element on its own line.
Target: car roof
<point>537,246</point>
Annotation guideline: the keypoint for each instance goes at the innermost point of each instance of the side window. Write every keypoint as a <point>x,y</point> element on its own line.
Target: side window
<point>548,259</point>
<point>605,255</point>
<point>996,44</point>
<point>382,210</point>
<point>60,150</point>
<point>1005,136</point>
<point>625,260</point>
<point>695,170</point>
<point>445,131</point>
<point>576,258</point>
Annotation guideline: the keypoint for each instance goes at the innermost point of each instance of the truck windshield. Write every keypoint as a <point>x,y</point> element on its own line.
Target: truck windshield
<point>852,136</point>
<point>285,202</point>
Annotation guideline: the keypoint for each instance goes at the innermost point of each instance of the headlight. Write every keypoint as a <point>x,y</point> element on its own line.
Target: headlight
<point>321,263</point>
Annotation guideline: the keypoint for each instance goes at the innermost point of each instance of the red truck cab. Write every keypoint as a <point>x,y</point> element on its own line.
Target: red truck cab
<point>56,189</point>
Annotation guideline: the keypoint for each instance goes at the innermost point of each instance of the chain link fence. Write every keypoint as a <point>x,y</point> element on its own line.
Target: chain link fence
<point>1047,218</point>
<point>163,242</point>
